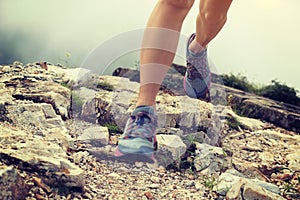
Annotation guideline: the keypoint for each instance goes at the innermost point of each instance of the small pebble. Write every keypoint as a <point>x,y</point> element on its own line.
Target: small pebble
<point>154,186</point>
<point>155,179</point>
<point>148,195</point>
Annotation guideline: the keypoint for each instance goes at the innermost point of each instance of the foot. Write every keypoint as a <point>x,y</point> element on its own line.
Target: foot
<point>197,78</point>
<point>138,140</point>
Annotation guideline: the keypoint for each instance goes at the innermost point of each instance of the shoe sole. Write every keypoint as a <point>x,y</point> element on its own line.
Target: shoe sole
<point>205,94</point>
<point>135,157</point>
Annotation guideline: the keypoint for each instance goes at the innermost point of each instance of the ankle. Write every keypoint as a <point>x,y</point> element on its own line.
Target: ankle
<point>196,48</point>
<point>145,103</point>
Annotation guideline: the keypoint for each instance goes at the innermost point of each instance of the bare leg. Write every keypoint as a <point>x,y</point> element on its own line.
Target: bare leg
<point>158,51</point>
<point>159,46</point>
<point>210,20</point>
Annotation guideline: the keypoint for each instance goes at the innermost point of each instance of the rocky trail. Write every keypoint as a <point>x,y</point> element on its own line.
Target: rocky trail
<point>59,128</point>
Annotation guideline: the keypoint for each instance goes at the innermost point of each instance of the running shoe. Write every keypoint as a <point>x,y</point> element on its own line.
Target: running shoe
<point>138,141</point>
<point>197,79</point>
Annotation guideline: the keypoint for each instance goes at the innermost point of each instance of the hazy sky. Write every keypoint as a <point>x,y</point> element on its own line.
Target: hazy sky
<point>260,40</point>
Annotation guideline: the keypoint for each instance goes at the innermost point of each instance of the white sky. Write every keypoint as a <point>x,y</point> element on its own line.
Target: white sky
<point>261,39</point>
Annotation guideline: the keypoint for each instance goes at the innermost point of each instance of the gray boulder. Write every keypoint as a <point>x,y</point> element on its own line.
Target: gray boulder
<point>248,190</point>
<point>35,152</point>
<point>210,159</point>
<point>96,135</point>
<point>12,185</point>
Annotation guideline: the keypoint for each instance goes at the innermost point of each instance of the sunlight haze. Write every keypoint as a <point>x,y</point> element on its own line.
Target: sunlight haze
<point>260,39</point>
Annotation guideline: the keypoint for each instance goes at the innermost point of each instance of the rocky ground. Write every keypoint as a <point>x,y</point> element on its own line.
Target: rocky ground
<point>59,128</point>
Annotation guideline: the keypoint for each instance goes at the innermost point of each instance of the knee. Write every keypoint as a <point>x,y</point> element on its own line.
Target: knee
<point>179,4</point>
<point>213,18</point>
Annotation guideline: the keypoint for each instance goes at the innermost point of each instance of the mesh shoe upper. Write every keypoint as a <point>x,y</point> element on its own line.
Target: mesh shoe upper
<point>141,124</point>
<point>139,134</point>
<point>198,76</point>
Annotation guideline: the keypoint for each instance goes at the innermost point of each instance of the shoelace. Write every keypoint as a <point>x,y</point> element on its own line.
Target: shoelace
<point>141,125</point>
<point>141,118</point>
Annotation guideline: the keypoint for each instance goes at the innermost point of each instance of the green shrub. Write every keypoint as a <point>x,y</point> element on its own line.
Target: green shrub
<point>76,103</point>
<point>67,60</point>
<point>66,85</point>
<point>276,90</point>
<point>233,122</point>
<point>280,92</point>
<point>210,182</point>
<point>112,128</point>
<point>238,82</point>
